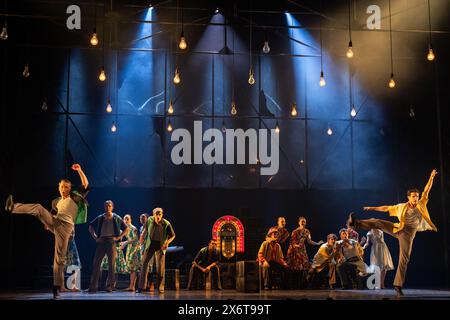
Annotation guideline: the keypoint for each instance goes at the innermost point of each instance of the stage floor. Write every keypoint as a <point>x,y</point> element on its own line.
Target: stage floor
<point>414,294</point>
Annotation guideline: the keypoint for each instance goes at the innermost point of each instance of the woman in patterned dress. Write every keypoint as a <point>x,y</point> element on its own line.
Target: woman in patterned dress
<point>297,257</point>
<point>133,252</point>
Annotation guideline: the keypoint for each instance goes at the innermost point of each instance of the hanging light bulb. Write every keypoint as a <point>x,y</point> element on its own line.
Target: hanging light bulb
<point>430,55</point>
<point>411,112</point>
<point>94,39</point>
<point>350,50</point>
<point>294,110</point>
<point>109,107</point>
<point>44,105</point>
<point>329,131</point>
<point>4,34</point>
<point>216,11</point>
<point>353,112</point>
<point>102,75</point>
<point>277,128</point>
<point>322,82</point>
<point>233,108</point>
<point>169,126</point>
<point>251,78</point>
<point>177,77</point>
<point>266,48</point>
<point>391,81</point>
<point>183,44</point>
<point>113,127</point>
<point>170,109</point>
<point>26,71</point>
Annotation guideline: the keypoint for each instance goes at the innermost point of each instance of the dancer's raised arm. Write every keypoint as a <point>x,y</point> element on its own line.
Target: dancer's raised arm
<point>429,184</point>
<point>84,180</point>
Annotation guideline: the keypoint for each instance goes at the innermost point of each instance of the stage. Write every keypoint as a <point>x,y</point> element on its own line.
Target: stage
<point>172,295</point>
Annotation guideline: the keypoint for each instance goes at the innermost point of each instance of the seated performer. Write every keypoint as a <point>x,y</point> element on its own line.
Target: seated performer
<point>350,259</point>
<point>204,262</point>
<point>325,260</point>
<point>271,258</point>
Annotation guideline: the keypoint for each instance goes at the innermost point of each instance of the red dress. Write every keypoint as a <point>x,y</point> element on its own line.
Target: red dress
<point>297,257</point>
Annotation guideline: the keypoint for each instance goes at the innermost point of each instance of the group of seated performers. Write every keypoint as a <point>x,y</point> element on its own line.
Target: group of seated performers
<point>344,257</point>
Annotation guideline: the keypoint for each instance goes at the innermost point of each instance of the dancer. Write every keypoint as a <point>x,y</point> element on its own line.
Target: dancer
<point>413,216</point>
<point>106,229</point>
<point>270,257</point>
<point>206,260</point>
<point>297,257</point>
<point>69,209</point>
<point>379,254</point>
<point>133,253</point>
<point>350,259</point>
<point>325,259</point>
<point>283,233</point>
<point>158,234</point>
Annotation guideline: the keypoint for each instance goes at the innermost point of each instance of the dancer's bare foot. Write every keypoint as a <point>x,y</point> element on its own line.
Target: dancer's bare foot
<point>63,289</point>
<point>129,289</point>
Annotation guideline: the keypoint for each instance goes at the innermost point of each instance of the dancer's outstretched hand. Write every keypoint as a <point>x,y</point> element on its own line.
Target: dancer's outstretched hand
<point>433,173</point>
<point>367,208</point>
<point>76,167</point>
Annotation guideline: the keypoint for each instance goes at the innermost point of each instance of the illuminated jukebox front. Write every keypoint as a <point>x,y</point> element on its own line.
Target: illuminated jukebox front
<point>228,231</point>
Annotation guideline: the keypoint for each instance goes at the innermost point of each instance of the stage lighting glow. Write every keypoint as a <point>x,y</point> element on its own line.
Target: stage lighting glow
<point>329,131</point>
<point>430,55</point>
<point>4,34</point>
<point>233,108</point>
<point>113,127</point>
<point>109,107</point>
<point>266,48</point>
<point>26,71</point>
<point>183,44</point>
<point>94,39</point>
<point>251,78</point>
<point>322,82</point>
<point>391,81</point>
<point>277,128</point>
<point>177,77</point>
<point>294,110</point>
<point>170,109</point>
<point>353,112</point>
<point>169,127</point>
<point>102,75</point>
<point>350,50</point>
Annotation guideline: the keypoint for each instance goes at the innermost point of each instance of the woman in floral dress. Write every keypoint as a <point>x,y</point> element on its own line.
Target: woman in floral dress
<point>297,257</point>
<point>133,252</point>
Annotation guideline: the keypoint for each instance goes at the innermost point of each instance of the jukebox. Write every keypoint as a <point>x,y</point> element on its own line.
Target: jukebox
<point>228,231</point>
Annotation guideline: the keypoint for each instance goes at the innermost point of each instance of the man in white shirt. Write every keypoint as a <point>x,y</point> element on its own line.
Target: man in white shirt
<point>62,224</point>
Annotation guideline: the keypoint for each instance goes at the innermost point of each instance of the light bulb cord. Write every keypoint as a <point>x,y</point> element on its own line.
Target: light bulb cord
<point>390,37</point>
<point>321,41</point>
<point>429,21</point>
<point>349,22</point>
